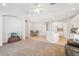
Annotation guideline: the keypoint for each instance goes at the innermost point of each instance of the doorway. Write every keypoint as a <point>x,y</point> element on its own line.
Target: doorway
<point>12,24</point>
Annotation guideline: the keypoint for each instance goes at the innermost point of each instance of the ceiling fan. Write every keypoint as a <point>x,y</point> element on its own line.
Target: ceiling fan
<point>38,8</point>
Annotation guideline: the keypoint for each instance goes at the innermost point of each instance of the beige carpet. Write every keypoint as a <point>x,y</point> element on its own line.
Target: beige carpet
<point>31,47</point>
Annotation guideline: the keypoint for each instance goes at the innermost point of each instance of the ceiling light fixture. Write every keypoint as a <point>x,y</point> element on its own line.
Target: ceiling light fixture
<point>4,4</point>
<point>36,10</point>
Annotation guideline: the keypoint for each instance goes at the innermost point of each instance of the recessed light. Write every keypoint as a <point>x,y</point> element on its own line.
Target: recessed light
<point>4,4</point>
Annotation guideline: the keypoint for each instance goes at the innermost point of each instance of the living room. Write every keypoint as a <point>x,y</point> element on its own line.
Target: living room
<point>38,28</point>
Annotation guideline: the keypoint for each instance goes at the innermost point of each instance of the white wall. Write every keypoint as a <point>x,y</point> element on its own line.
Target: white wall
<point>70,23</point>
<point>26,29</point>
<point>75,21</point>
<point>13,24</point>
<point>1,30</point>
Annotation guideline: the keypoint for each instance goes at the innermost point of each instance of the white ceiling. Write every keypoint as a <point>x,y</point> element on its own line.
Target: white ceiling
<point>56,12</point>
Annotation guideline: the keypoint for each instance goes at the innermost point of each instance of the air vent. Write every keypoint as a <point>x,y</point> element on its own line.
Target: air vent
<point>52,3</point>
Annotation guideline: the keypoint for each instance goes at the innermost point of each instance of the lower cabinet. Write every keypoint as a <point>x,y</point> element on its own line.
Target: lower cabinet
<point>71,50</point>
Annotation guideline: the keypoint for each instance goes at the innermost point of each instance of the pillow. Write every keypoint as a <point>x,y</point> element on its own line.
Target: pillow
<point>14,34</point>
<point>72,43</point>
